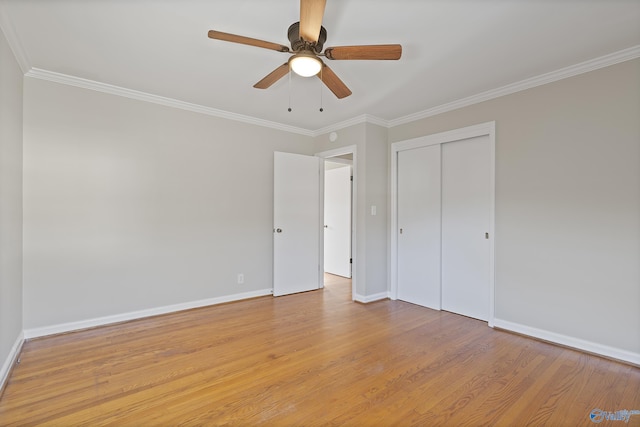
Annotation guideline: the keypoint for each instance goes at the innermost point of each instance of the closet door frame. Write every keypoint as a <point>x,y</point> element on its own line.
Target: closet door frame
<point>483,129</point>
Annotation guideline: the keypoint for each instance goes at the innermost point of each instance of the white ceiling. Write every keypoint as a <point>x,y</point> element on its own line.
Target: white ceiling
<point>452,49</point>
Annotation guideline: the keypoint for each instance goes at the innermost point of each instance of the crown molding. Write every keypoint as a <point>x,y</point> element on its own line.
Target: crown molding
<point>377,121</point>
<point>364,118</point>
<point>553,76</point>
<point>583,67</point>
<point>6,26</point>
<point>161,100</point>
<point>341,125</point>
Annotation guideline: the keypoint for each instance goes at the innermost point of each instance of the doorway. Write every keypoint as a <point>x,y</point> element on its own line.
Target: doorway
<point>340,164</point>
<point>337,216</point>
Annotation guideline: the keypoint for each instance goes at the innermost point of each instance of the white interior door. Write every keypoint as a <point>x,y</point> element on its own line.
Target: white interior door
<point>296,213</point>
<point>418,274</point>
<point>337,220</point>
<point>466,216</point>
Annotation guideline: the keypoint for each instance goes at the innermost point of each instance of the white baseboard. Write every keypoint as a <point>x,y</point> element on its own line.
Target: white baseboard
<point>568,341</point>
<point>101,321</point>
<point>12,357</point>
<point>371,298</point>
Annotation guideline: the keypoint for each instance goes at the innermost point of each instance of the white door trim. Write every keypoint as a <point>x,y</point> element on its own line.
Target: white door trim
<point>483,129</point>
<point>349,149</point>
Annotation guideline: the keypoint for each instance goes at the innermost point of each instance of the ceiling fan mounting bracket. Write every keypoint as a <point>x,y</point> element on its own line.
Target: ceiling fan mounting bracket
<point>299,44</point>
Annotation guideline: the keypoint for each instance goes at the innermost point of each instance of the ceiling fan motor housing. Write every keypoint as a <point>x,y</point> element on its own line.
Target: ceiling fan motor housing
<point>298,44</point>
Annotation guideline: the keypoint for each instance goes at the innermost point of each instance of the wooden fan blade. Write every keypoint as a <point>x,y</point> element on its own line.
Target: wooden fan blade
<point>311,13</point>
<point>218,35</point>
<point>333,82</point>
<point>273,76</point>
<point>380,51</point>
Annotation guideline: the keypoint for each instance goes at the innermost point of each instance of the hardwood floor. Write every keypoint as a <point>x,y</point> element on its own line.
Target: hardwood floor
<point>309,359</point>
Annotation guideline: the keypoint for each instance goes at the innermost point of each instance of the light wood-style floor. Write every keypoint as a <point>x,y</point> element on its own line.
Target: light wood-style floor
<point>309,359</point>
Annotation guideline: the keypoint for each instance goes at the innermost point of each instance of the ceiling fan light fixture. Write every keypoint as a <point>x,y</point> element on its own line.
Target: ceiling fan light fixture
<point>305,64</point>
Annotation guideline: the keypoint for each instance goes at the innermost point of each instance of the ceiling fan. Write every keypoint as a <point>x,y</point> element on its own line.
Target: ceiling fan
<point>307,39</point>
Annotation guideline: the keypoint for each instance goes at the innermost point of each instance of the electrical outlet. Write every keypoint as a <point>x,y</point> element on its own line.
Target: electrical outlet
<point>240,278</point>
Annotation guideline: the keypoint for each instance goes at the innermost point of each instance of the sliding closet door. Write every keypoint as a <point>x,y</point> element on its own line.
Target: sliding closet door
<point>466,216</point>
<point>418,233</point>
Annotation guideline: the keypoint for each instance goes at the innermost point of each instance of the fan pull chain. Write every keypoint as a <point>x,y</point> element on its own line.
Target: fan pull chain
<point>289,109</point>
<point>321,81</point>
<point>321,92</point>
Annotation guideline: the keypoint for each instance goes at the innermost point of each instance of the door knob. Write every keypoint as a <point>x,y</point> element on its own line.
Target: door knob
<point>278,230</point>
<point>326,226</point>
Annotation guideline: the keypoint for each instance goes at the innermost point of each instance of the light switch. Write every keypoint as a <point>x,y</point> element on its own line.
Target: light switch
<point>373,210</point>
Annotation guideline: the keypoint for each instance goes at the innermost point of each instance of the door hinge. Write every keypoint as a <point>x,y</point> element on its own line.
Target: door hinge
<point>351,177</point>
<point>350,260</point>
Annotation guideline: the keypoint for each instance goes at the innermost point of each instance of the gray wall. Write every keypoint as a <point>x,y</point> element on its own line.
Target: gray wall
<point>567,203</point>
<point>10,200</point>
<point>377,172</point>
<point>130,205</point>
